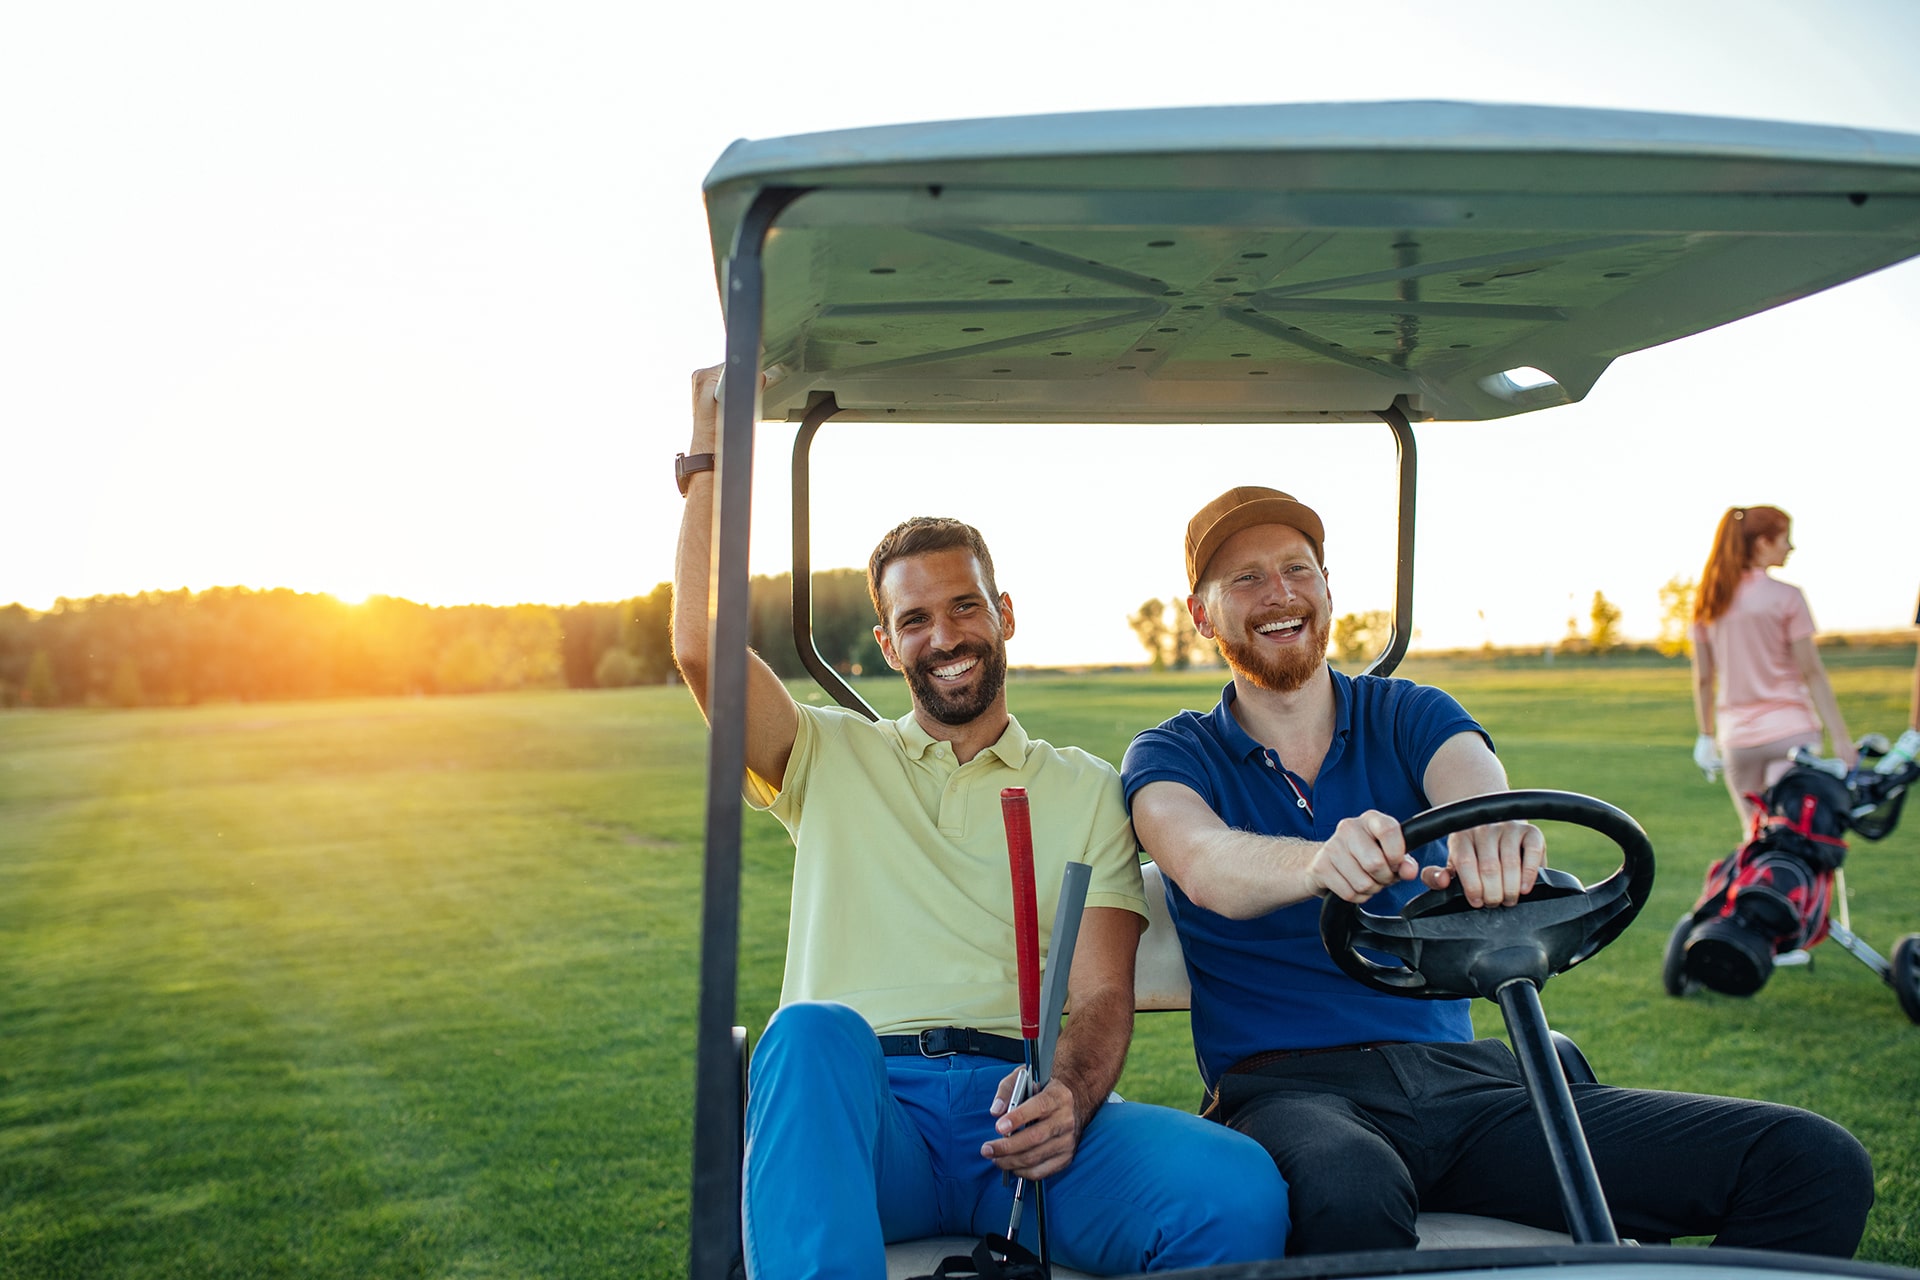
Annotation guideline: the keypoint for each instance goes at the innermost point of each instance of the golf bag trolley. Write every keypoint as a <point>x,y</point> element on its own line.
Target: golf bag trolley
<point>1771,901</point>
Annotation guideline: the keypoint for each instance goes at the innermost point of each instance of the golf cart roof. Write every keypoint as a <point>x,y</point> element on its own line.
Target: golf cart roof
<point>1286,263</point>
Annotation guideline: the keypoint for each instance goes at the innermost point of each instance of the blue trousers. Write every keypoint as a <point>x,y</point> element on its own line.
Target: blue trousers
<point>847,1149</point>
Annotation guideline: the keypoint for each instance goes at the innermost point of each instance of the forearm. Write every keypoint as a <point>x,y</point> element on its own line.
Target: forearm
<point>1828,706</point>
<point>1913,701</point>
<point>692,570</point>
<point>1241,875</point>
<point>1814,673</point>
<point>1703,708</point>
<point>1092,1050</point>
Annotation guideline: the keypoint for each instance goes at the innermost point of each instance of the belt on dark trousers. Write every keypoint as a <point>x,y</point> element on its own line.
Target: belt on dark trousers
<point>944,1042</point>
<point>1256,1061</point>
<point>1253,1062</point>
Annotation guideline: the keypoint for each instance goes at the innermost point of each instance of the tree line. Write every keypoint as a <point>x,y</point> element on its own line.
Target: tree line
<point>1166,631</point>
<point>235,644</point>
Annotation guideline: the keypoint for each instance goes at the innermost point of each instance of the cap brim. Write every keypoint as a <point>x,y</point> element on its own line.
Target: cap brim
<point>1248,514</point>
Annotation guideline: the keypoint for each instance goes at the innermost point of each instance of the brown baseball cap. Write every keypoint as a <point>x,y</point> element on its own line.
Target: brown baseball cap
<point>1242,508</point>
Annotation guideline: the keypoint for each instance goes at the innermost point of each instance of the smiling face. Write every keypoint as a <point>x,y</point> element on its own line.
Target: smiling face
<point>946,633</point>
<point>1263,598</point>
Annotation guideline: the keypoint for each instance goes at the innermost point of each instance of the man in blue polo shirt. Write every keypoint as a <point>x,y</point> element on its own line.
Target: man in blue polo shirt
<point>1375,1106</point>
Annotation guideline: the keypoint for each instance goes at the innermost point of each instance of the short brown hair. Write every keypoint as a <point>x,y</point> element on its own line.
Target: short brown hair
<point>923,535</point>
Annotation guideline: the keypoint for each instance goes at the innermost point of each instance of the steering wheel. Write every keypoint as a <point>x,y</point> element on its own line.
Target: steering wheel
<point>1450,949</point>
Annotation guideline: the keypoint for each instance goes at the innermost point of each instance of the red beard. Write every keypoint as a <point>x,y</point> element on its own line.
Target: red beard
<point>1278,670</point>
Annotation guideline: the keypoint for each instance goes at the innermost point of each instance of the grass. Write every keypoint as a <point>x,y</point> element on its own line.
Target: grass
<point>406,987</point>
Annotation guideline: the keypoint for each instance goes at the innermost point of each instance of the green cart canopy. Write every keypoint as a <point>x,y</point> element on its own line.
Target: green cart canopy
<point>1296,263</point>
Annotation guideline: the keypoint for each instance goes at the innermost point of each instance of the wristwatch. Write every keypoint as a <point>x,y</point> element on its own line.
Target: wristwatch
<point>687,466</point>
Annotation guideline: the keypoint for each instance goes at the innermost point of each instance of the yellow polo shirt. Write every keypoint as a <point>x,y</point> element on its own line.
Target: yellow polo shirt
<point>902,897</point>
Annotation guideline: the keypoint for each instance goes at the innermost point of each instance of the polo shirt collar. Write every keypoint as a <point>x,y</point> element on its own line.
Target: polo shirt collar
<point>1242,744</point>
<point>1010,748</point>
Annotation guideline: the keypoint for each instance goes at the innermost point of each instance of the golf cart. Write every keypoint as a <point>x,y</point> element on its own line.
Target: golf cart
<point>1381,263</point>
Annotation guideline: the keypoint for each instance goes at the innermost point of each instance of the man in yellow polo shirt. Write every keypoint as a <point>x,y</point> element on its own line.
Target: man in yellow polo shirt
<point>878,1100</point>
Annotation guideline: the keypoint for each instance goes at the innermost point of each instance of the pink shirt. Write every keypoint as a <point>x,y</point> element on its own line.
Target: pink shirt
<point>1761,698</point>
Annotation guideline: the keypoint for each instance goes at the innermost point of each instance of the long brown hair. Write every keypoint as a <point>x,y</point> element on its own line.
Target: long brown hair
<point>1732,554</point>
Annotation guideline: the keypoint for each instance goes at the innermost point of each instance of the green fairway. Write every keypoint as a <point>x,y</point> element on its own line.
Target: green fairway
<point>406,987</point>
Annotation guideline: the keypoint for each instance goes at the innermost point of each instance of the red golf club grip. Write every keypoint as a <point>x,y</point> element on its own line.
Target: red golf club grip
<point>1026,914</point>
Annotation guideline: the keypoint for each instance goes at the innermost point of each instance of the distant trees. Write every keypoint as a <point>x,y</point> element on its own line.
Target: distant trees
<point>1360,635</point>
<point>1165,630</point>
<point>611,646</point>
<point>1676,617</point>
<point>1605,617</point>
<point>1149,623</point>
<point>842,616</point>
<point>1603,629</point>
<point>176,648</point>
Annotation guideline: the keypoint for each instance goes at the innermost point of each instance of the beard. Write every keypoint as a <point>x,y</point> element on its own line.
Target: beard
<point>959,706</point>
<point>1278,671</point>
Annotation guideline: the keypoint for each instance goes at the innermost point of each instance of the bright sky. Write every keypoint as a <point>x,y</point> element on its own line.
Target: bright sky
<point>401,298</point>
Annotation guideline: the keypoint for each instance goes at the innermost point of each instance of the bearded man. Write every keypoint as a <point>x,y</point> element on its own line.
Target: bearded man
<point>1374,1106</point>
<point>879,1095</point>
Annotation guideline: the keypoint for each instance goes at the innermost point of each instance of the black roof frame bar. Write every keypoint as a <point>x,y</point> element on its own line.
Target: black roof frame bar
<point>1406,458</point>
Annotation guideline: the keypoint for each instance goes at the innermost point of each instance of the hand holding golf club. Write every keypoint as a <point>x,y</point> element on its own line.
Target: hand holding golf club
<point>1026,941</point>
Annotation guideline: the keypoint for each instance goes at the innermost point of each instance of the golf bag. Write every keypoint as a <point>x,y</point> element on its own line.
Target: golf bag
<point>1772,894</point>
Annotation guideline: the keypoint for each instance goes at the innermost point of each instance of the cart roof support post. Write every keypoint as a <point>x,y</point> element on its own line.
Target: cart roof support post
<point>800,587</point>
<point>1407,460</point>
<point>716,1134</point>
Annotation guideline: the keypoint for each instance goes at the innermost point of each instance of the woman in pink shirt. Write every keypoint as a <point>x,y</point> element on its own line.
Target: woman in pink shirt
<point>1758,684</point>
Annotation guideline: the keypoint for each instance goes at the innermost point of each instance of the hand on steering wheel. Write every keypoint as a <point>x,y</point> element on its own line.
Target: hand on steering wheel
<point>1449,950</point>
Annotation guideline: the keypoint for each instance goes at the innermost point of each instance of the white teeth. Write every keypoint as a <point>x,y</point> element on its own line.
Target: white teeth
<point>1288,624</point>
<point>957,669</point>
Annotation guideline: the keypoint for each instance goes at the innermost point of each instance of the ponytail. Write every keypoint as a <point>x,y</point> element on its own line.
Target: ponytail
<point>1732,555</point>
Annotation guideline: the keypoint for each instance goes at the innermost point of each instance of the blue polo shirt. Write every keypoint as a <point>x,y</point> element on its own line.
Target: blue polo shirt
<point>1268,983</point>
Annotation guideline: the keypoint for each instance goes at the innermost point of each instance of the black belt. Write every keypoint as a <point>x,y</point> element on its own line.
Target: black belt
<point>1270,1056</point>
<point>1258,1060</point>
<point>944,1042</point>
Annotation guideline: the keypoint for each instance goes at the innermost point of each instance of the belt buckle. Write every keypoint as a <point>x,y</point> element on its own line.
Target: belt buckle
<point>927,1052</point>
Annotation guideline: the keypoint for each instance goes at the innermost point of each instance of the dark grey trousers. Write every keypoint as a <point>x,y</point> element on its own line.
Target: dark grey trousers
<point>1367,1138</point>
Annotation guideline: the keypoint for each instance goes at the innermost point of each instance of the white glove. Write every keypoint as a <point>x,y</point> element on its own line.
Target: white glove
<point>1707,756</point>
<point>1908,748</point>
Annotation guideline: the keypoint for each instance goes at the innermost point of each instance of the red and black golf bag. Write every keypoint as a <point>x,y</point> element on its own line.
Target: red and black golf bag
<point>1771,895</point>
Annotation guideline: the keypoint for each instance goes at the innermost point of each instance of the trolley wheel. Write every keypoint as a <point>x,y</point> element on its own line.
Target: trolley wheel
<point>1673,970</point>
<point>1903,975</point>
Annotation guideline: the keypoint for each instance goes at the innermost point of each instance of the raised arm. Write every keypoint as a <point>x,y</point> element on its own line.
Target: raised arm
<point>772,720</point>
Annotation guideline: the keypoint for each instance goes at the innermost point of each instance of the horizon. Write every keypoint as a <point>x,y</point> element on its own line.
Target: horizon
<point>1902,633</point>
<point>429,339</point>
